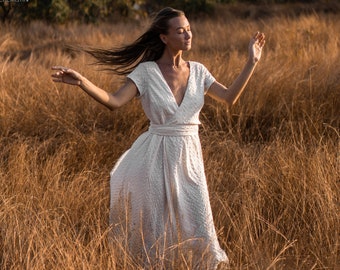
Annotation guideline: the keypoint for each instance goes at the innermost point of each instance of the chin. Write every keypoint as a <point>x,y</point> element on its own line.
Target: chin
<point>187,48</point>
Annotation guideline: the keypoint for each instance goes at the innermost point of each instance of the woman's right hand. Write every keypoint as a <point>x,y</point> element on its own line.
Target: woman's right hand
<point>112,101</point>
<point>66,75</point>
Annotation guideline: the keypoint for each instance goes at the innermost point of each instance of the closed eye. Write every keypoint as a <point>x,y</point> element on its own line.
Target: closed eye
<point>181,30</point>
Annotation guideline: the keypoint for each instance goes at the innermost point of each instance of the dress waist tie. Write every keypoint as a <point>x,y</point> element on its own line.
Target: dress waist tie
<point>174,130</point>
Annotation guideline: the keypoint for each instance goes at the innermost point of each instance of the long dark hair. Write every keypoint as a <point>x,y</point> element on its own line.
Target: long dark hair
<point>148,47</point>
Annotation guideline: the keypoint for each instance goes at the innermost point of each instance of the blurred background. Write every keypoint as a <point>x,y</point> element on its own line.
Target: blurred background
<point>87,11</point>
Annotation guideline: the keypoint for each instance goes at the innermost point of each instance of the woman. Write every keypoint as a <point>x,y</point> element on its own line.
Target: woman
<point>159,198</point>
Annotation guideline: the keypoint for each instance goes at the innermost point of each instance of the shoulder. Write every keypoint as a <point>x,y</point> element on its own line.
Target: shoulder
<point>197,66</point>
<point>146,65</point>
<point>202,74</point>
<point>141,75</point>
<point>142,69</point>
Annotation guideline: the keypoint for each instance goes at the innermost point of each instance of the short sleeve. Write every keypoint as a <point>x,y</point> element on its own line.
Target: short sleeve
<point>138,77</point>
<point>208,79</point>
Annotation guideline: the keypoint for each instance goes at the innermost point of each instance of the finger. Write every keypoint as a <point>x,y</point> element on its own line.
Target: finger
<point>56,67</point>
<point>57,80</point>
<point>260,41</point>
<point>259,36</point>
<point>256,35</point>
<point>262,36</point>
<point>61,68</point>
<point>56,75</point>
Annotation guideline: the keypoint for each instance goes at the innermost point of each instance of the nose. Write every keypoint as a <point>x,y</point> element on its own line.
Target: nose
<point>187,34</point>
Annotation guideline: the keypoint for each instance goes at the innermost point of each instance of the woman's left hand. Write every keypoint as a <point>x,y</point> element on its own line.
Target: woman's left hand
<point>255,47</point>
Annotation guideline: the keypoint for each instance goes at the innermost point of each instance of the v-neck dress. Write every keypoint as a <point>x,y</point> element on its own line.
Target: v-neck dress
<point>159,201</point>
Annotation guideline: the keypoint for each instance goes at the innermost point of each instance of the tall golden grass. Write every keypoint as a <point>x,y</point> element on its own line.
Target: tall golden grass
<point>272,160</point>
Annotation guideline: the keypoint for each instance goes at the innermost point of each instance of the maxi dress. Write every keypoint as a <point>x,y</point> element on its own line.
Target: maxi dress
<point>159,201</point>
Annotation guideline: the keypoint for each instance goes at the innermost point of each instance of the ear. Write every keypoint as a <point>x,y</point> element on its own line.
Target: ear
<point>163,38</point>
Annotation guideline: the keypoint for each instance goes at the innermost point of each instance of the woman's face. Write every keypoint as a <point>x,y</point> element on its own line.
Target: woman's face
<point>179,34</point>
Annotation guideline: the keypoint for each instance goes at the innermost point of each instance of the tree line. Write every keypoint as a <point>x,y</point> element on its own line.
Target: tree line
<point>92,11</point>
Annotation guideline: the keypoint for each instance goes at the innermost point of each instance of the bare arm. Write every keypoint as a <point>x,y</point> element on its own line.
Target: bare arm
<point>110,100</point>
<point>230,95</point>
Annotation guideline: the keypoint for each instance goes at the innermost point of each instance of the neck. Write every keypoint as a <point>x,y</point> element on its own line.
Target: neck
<point>171,59</point>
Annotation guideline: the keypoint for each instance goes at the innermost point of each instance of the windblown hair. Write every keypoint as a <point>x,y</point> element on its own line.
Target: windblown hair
<point>148,47</point>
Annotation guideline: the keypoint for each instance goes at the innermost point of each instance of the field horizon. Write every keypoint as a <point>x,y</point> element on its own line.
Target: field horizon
<point>272,161</point>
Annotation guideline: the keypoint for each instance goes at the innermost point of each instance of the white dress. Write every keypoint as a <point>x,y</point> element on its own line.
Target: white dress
<point>159,205</point>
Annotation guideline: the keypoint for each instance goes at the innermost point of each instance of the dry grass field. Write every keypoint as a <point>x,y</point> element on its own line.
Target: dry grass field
<point>272,161</point>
